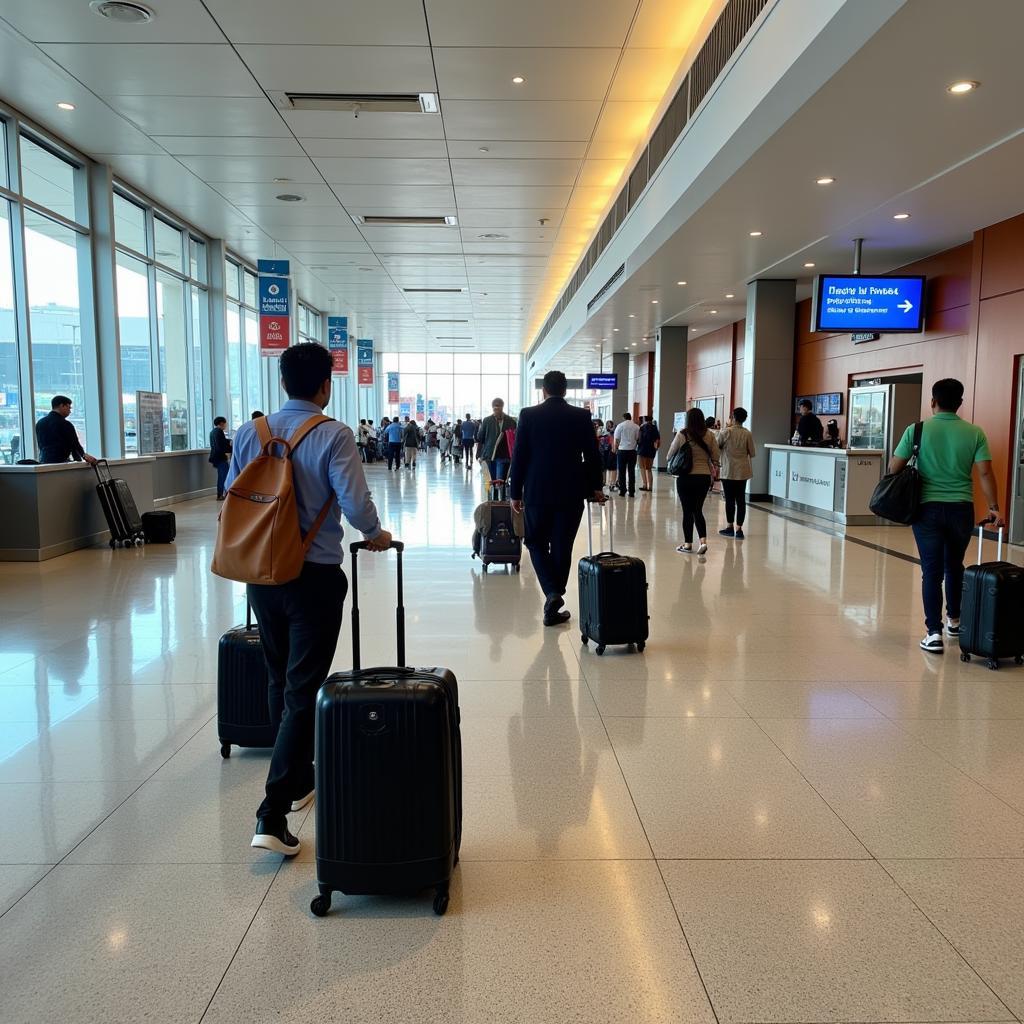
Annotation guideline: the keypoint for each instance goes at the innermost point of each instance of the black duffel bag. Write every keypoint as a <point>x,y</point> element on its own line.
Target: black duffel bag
<point>897,496</point>
<point>159,527</point>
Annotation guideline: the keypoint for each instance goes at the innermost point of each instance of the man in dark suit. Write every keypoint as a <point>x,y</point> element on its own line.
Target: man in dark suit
<point>555,468</point>
<point>220,453</point>
<point>57,437</point>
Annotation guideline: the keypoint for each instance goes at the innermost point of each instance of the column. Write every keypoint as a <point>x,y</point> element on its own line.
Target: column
<point>669,383</point>
<point>768,370</point>
<point>218,347</point>
<point>620,396</point>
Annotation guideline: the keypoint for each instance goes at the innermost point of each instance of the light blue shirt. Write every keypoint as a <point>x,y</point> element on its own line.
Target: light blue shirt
<point>394,433</point>
<point>326,461</point>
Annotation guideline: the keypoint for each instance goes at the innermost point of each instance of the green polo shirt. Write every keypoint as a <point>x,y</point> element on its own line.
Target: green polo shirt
<point>950,447</point>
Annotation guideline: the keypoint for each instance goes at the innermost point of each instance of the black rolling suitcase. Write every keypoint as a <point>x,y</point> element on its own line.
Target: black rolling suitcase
<point>500,545</point>
<point>160,527</point>
<point>243,708</point>
<point>992,609</point>
<point>119,508</point>
<point>613,597</point>
<point>388,775</point>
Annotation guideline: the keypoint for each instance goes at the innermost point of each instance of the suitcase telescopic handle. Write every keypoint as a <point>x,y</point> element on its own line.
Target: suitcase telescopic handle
<point>354,548</point>
<point>981,541</point>
<point>106,466</point>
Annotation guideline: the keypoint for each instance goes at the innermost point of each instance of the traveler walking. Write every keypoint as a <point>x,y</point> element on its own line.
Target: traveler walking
<point>627,433</point>
<point>220,453</point>
<point>467,431</point>
<point>647,446</point>
<point>361,437</point>
<point>692,487</point>
<point>555,468</point>
<point>493,440</point>
<point>300,620</point>
<point>411,439</point>
<point>737,448</point>
<point>392,434</point>
<point>950,449</point>
<point>57,437</point>
<point>609,463</point>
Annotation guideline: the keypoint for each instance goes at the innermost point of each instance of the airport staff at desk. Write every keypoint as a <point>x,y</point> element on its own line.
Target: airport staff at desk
<point>809,429</point>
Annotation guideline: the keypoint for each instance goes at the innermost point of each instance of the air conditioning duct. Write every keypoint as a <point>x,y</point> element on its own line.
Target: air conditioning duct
<point>358,103</point>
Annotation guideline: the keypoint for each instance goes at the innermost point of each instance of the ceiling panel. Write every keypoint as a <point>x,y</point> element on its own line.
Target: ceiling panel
<point>508,234</point>
<point>374,148</point>
<point>208,115</point>
<point>293,169</point>
<point>520,120</point>
<point>341,69</point>
<point>417,233</point>
<point>497,198</point>
<point>474,218</point>
<point>503,150</point>
<point>156,70</point>
<point>285,216</point>
<point>514,172</point>
<point>624,122</point>
<point>221,145</point>
<point>550,73</point>
<point>601,173</point>
<point>413,248</point>
<point>407,198</point>
<point>384,171</point>
<point>380,23</point>
<point>184,21</point>
<point>329,124</point>
<point>297,235</point>
<point>669,24</point>
<point>328,245</point>
<point>257,193</point>
<point>517,248</point>
<point>645,74</point>
<point>568,23</point>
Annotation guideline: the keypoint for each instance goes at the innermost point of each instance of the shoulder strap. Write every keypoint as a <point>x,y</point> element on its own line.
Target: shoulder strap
<point>262,430</point>
<point>304,429</point>
<point>915,450</point>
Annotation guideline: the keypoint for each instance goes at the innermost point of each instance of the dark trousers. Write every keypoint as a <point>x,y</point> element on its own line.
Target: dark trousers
<point>735,501</point>
<point>394,453</point>
<point>626,462</point>
<point>942,531</point>
<point>467,451</point>
<point>550,533</point>
<point>692,491</point>
<point>222,477</point>
<point>498,468</point>
<point>299,625</point>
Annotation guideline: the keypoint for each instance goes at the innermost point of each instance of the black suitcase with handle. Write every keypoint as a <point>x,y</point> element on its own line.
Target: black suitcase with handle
<point>992,609</point>
<point>160,527</point>
<point>119,509</point>
<point>243,708</point>
<point>613,598</point>
<point>388,775</point>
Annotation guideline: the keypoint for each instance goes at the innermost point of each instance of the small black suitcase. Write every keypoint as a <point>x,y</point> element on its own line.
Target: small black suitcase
<point>243,707</point>
<point>388,775</point>
<point>613,598</point>
<point>119,508</point>
<point>992,609</point>
<point>159,527</point>
<point>500,545</point>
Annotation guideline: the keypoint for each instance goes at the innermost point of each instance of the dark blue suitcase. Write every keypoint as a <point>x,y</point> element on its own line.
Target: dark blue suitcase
<point>388,773</point>
<point>992,609</point>
<point>243,707</point>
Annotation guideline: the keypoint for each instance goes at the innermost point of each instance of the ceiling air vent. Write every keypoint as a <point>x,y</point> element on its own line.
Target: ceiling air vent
<point>447,321</point>
<point>122,12</point>
<point>440,291</point>
<point>359,103</point>
<point>399,220</point>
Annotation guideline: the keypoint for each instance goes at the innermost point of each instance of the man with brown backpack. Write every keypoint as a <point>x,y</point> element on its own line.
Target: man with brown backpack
<point>292,475</point>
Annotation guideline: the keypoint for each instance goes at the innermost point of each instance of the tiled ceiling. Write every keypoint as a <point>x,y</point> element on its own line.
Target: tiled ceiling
<point>183,109</point>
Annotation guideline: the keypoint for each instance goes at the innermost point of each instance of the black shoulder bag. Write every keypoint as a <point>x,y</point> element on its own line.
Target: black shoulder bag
<point>681,462</point>
<point>897,496</point>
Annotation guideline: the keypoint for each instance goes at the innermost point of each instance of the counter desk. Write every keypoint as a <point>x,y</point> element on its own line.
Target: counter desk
<point>830,483</point>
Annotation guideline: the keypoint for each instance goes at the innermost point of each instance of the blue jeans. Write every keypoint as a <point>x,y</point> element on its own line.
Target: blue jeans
<point>498,468</point>
<point>942,531</point>
<point>222,477</point>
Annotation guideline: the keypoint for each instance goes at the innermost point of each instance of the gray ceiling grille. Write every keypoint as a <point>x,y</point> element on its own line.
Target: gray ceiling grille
<point>441,291</point>
<point>372,103</point>
<point>400,220</point>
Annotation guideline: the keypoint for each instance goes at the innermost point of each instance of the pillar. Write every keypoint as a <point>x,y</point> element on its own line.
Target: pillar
<point>620,396</point>
<point>669,383</point>
<point>768,370</point>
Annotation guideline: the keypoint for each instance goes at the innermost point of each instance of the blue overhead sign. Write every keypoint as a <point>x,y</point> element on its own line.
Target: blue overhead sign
<point>274,296</point>
<point>602,381</point>
<point>274,268</point>
<point>853,303</point>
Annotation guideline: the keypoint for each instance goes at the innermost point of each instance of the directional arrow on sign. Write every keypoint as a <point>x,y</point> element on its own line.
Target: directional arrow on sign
<point>906,305</point>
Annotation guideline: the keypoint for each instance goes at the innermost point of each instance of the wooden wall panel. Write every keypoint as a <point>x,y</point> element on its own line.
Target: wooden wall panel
<point>1003,258</point>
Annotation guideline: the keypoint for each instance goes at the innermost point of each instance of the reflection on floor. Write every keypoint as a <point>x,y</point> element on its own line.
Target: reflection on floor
<point>782,811</point>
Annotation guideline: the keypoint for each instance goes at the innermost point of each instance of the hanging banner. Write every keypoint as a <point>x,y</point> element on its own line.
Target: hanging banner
<point>274,309</point>
<point>405,407</point>
<point>364,362</point>
<point>392,388</point>
<point>431,408</point>
<point>420,408</point>
<point>337,344</point>
<point>273,268</point>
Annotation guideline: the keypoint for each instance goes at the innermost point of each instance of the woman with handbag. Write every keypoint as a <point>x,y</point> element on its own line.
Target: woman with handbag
<point>691,459</point>
<point>736,444</point>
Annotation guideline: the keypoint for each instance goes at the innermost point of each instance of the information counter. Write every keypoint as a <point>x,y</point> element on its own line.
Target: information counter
<point>829,483</point>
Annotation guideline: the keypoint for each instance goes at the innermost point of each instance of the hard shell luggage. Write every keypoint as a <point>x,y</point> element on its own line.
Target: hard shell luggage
<point>388,775</point>
<point>159,527</point>
<point>119,508</point>
<point>992,609</point>
<point>500,545</point>
<point>613,598</point>
<point>243,708</point>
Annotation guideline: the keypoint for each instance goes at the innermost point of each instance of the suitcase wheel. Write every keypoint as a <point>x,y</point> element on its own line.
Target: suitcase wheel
<point>319,905</point>
<point>113,543</point>
<point>599,648</point>
<point>993,664</point>
<point>441,900</point>
<point>485,566</point>
<point>225,749</point>
<point>640,646</point>
<point>964,656</point>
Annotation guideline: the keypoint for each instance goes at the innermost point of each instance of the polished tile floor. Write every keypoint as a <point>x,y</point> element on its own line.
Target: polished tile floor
<point>781,811</point>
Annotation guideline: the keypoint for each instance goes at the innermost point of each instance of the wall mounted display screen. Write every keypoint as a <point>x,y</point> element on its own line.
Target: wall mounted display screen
<point>894,305</point>
<point>602,381</point>
<point>830,404</point>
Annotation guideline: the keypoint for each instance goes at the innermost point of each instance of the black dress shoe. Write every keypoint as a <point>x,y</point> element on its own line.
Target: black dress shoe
<point>556,618</point>
<point>552,604</point>
<point>275,837</point>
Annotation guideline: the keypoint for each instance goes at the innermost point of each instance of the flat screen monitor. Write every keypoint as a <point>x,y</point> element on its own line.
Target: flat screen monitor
<point>602,381</point>
<point>847,302</point>
<point>830,404</point>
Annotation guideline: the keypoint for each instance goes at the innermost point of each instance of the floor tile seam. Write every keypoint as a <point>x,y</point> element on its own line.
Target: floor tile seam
<point>952,945</point>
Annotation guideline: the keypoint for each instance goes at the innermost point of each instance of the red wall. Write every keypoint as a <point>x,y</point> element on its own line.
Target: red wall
<point>641,384</point>
<point>714,366</point>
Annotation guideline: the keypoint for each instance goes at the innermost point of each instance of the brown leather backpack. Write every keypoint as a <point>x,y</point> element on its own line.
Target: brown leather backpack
<point>259,539</point>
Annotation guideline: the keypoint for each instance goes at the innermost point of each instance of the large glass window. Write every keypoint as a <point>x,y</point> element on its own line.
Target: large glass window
<point>49,180</point>
<point>10,405</point>
<point>253,387</point>
<point>168,249</point>
<point>173,354</point>
<point>136,344</point>
<point>234,347</point>
<point>246,368</point>
<point>129,224</point>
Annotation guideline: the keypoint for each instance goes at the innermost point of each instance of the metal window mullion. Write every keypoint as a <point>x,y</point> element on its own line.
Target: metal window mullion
<point>155,377</point>
<point>23,332</point>
<point>45,211</point>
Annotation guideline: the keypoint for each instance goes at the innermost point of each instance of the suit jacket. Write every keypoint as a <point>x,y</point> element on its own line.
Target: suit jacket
<point>220,447</point>
<point>555,460</point>
<point>57,439</point>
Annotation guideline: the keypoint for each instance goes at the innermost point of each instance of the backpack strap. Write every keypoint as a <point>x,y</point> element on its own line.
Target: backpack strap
<point>304,429</point>
<point>262,431</point>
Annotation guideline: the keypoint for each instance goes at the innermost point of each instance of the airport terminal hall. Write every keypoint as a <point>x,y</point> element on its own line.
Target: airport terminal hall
<point>511,512</point>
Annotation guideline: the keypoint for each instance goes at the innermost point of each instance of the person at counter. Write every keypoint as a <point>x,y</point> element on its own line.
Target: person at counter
<point>220,453</point>
<point>950,450</point>
<point>57,437</point>
<point>809,428</point>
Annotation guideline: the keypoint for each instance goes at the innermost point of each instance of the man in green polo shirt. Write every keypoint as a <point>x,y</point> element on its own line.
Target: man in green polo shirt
<point>950,450</point>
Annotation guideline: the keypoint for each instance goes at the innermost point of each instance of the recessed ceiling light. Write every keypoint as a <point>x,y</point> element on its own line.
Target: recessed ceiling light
<point>680,282</point>
<point>634,345</point>
<point>632,316</point>
<point>755,234</point>
<point>693,329</point>
<point>729,295</point>
<point>959,88</point>
<point>289,197</point>
<point>281,181</point>
<point>825,181</point>
<point>484,149</point>
<point>518,80</point>
<point>901,216</point>
<point>122,11</point>
<point>615,328</point>
<point>654,302</point>
<point>713,311</point>
<point>808,264</point>
<point>65,106</point>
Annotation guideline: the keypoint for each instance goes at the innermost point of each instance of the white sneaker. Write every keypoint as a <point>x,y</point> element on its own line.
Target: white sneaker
<point>933,642</point>
<point>683,549</point>
<point>952,627</point>
<point>703,549</point>
<point>303,801</point>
